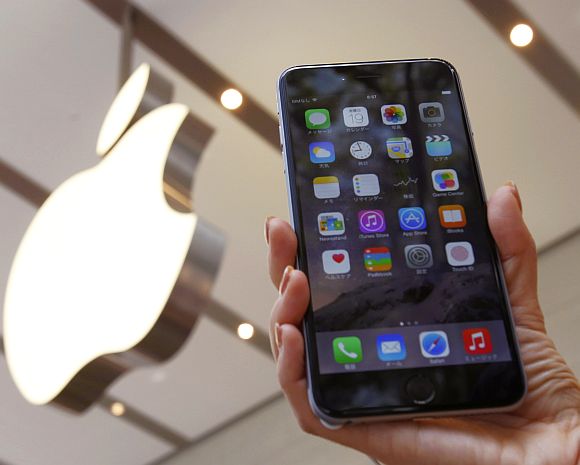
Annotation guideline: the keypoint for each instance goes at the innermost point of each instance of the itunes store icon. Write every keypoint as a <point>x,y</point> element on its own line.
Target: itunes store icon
<point>371,221</point>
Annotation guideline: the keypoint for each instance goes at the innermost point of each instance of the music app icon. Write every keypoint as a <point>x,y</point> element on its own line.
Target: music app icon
<point>477,341</point>
<point>371,221</point>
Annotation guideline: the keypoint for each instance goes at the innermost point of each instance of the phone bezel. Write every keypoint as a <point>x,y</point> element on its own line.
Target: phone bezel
<point>334,416</point>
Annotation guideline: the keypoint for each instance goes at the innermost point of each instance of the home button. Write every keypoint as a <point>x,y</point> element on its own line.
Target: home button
<point>420,389</point>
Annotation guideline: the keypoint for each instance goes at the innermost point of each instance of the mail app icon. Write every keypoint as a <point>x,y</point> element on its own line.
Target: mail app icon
<point>391,347</point>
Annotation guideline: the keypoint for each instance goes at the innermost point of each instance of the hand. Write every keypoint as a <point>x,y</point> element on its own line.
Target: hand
<point>545,429</point>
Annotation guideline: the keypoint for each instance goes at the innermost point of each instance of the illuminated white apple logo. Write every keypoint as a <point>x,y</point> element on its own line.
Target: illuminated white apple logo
<point>97,265</point>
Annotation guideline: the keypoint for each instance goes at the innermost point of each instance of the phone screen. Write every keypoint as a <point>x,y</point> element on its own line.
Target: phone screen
<point>391,219</point>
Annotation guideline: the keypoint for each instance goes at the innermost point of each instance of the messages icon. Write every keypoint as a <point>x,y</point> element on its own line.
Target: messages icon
<point>391,347</point>
<point>317,118</point>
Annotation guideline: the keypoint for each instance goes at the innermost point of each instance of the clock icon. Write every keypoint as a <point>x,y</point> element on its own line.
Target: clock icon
<point>361,150</point>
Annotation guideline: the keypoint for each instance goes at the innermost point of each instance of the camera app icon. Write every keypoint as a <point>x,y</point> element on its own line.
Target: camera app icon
<point>431,112</point>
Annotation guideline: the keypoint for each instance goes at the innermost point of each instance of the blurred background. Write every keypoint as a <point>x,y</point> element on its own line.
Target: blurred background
<point>217,401</point>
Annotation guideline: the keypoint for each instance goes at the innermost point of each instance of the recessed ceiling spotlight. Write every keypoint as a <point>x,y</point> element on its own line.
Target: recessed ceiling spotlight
<point>231,99</point>
<point>245,331</point>
<point>117,409</point>
<point>521,35</point>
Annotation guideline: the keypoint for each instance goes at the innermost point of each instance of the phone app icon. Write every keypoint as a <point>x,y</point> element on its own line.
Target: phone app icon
<point>347,349</point>
<point>391,347</point>
<point>452,216</point>
<point>371,221</point>
<point>477,341</point>
<point>419,256</point>
<point>317,118</point>
<point>445,180</point>
<point>335,261</point>
<point>431,112</point>
<point>361,150</point>
<point>378,259</point>
<point>438,146</point>
<point>393,113</point>
<point>399,147</point>
<point>459,253</point>
<point>321,152</point>
<point>355,117</point>
<point>434,344</point>
<point>331,224</point>
<point>412,219</point>
<point>326,187</point>
<point>366,185</point>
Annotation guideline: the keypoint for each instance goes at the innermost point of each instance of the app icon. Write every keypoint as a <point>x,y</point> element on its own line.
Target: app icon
<point>399,147</point>
<point>361,150</point>
<point>393,114</point>
<point>335,261</point>
<point>391,347</point>
<point>445,180</point>
<point>477,341</point>
<point>366,185</point>
<point>371,221</point>
<point>434,344</point>
<point>317,118</point>
<point>347,349</point>
<point>331,224</point>
<point>406,182</point>
<point>321,152</point>
<point>459,253</point>
<point>378,259</point>
<point>452,216</point>
<point>418,256</point>
<point>438,146</point>
<point>431,112</point>
<point>355,117</point>
<point>326,187</point>
<point>412,219</point>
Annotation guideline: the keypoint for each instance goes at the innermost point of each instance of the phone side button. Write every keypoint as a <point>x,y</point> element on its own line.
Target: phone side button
<point>420,389</point>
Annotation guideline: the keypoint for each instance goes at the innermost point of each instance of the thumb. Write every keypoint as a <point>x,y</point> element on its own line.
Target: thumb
<point>518,255</point>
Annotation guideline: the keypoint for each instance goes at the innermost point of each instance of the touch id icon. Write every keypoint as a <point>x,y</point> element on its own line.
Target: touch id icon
<point>434,344</point>
<point>459,253</point>
<point>347,349</point>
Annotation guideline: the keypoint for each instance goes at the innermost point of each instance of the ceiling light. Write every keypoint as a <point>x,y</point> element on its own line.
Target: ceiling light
<point>521,35</point>
<point>231,99</point>
<point>117,409</point>
<point>245,331</point>
<point>107,267</point>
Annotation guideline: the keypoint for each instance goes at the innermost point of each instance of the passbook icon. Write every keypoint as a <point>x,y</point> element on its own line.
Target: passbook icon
<point>391,347</point>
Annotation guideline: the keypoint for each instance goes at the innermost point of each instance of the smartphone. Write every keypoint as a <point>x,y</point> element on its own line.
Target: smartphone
<point>409,314</point>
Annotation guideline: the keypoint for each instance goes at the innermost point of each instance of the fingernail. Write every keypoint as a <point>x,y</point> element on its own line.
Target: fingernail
<point>516,192</point>
<point>285,278</point>
<point>278,335</point>
<point>267,229</point>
